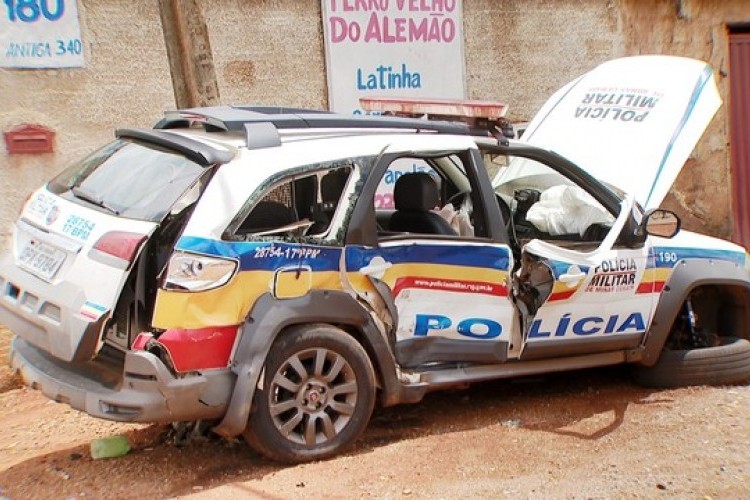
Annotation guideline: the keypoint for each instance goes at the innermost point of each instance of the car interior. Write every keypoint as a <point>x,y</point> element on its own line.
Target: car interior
<point>432,196</point>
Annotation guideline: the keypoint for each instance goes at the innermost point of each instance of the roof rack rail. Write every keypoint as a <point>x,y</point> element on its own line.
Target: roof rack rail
<point>235,117</point>
<point>244,118</point>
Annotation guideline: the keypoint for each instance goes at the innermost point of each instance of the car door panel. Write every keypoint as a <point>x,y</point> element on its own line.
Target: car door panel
<point>608,308</point>
<point>451,296</point>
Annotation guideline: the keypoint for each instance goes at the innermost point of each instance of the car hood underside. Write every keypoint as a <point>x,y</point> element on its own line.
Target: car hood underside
<point>630,122</point>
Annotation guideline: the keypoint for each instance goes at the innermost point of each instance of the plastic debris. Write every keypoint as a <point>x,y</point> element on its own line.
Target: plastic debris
<point>187,432</point>
<point>512,424</point>
<point>109,447</point>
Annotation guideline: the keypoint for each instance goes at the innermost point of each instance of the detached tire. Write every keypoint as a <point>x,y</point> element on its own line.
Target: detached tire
<point>317,396</point>
<point>725,364</point>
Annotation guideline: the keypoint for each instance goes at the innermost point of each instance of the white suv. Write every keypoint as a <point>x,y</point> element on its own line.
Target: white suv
<point>233,265</point>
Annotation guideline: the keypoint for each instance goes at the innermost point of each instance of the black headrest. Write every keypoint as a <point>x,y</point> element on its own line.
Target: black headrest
<point>416,192</point>
<point>332,184</point>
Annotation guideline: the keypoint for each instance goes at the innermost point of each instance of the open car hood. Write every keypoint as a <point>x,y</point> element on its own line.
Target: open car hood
<point>631,122</point>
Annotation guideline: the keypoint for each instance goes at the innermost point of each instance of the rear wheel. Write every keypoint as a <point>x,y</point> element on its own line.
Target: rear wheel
<point>317,395</point>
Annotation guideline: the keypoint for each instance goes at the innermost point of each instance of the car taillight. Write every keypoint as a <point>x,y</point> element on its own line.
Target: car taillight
<point>192,272</point>
<point>117,248</point>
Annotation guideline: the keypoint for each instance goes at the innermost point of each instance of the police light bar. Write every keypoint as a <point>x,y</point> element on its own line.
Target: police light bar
<point>485,115</point>
<point>441,107</point>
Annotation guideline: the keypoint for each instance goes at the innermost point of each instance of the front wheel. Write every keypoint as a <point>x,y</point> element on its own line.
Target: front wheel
<point>724,364</point>
<point>317,395</point>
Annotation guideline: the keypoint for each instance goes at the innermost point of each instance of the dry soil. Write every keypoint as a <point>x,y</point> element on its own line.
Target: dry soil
<point>591,434</point>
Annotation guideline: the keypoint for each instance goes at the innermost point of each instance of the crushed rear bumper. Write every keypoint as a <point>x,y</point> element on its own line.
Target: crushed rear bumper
<point>138,389</point>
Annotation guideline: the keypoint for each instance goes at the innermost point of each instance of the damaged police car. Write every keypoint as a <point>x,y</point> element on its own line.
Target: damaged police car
<point>234,264</point>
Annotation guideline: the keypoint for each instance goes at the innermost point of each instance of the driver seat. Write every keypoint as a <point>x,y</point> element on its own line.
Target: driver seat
<point>415,195</point>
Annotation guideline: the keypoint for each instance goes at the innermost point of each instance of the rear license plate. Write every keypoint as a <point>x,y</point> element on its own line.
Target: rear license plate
<point>41,259</point>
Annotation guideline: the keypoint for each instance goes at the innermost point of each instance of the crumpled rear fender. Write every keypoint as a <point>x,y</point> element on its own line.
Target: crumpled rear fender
<point>270,316</point>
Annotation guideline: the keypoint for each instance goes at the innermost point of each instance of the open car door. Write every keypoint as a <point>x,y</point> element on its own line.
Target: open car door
<point>448,289</point>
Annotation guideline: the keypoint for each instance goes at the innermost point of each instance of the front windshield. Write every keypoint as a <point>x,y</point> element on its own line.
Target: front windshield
<point>544,203</point>
<point>513,172</point>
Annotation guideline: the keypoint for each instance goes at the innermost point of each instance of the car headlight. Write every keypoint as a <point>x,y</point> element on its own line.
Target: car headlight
<point>192,272</point>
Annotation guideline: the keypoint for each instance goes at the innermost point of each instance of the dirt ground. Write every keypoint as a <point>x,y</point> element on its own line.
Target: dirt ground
<point>589,434</point>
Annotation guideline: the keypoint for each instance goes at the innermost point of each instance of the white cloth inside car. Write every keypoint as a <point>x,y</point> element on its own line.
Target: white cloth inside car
<point>458,219</point>
<point>566,210</point>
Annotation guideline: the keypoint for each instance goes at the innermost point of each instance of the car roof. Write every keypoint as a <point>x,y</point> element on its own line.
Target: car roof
<point>217,135</point>
<point>265,126</point>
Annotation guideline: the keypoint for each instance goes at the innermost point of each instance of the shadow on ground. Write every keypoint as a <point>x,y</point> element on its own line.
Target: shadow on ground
<point>552,403</point>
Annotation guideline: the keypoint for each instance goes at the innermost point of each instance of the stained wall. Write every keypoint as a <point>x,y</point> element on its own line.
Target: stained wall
<point>271,52</point>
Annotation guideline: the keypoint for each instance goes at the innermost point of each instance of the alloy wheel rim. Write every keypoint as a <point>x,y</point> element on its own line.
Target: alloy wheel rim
<point>313,396</point>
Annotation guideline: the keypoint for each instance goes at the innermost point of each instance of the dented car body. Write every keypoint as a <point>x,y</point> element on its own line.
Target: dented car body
<point>236,264</point>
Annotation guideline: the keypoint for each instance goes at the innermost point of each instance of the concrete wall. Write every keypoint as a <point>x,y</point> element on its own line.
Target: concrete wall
<point>125,83</point>
<point>693,28</point>
<point>520,52</point>
<point>271,52</point>
<point>268,51</point>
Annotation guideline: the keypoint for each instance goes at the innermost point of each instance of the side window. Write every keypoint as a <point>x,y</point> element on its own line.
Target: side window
<point>426,197</point>
<point>303,204</point>
<point>546,205</point>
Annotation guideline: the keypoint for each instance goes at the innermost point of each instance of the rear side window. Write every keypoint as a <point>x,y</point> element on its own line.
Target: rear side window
<point>299,205</point>
<point>130,179</point>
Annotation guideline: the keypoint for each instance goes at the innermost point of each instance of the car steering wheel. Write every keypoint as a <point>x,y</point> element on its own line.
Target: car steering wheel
<point>463,199</point>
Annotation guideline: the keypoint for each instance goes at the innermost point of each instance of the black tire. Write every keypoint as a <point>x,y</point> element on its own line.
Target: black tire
<point>317,396</point>
<point>725,364</point>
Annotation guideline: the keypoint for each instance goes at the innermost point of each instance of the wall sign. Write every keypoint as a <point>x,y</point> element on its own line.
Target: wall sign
<point>40,34</point>
<point>409,48</point>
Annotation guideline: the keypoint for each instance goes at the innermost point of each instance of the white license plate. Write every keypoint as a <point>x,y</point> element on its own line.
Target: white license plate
<point>41,259</point>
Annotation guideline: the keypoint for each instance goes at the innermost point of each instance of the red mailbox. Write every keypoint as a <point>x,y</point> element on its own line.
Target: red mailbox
<point>30,139</point>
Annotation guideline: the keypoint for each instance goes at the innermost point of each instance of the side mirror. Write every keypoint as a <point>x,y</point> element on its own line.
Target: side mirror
<point>660,222</point>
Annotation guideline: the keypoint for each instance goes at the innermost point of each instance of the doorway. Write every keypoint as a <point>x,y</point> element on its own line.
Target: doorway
<point>739,130</point>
